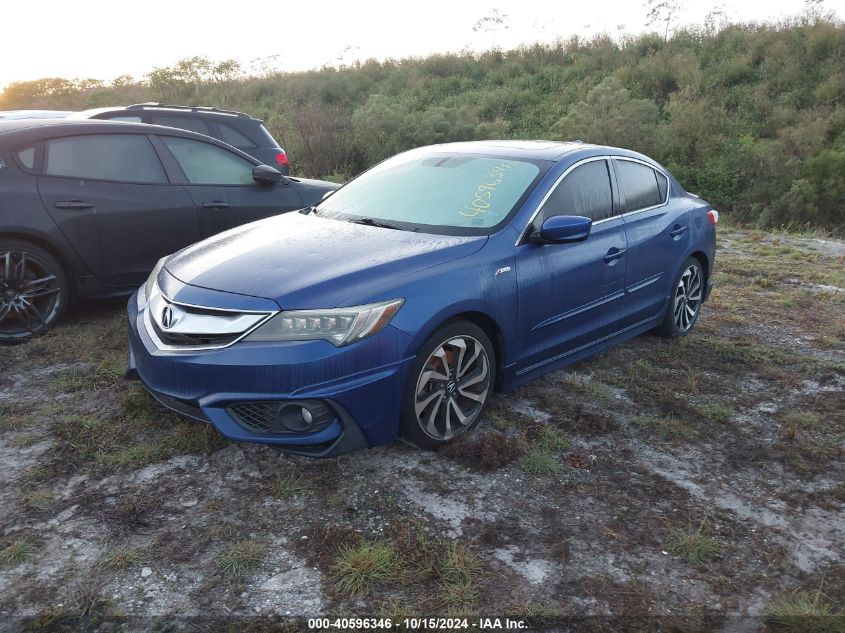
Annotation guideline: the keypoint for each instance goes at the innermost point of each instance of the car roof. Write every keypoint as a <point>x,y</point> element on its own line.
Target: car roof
<point>162,108</point>
<point>32,130</point>
<point>12,115</point>
<point>553,151</point>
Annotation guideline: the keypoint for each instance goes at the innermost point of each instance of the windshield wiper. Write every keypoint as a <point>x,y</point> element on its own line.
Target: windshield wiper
<point>371,222</point>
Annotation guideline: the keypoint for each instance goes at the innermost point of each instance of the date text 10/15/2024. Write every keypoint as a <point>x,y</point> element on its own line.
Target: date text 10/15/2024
<point>448,624</point>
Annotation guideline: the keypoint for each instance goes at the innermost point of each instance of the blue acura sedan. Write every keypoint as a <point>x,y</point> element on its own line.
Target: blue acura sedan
<point>396,306</point>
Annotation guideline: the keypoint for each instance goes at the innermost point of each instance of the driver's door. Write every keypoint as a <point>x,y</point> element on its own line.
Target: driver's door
<point>221,186</point>
<point>570,294</point>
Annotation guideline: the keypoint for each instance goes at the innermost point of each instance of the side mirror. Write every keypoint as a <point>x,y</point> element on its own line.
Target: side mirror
<point>560,229</point>
<point>266,175</point>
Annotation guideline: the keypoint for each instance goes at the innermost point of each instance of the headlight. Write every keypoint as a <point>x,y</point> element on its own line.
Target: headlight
<point>339,326</point>
<point>151,280</point>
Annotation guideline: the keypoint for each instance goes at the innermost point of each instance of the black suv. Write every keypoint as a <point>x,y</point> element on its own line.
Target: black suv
<point>235,128</point>
<point>88,207</point>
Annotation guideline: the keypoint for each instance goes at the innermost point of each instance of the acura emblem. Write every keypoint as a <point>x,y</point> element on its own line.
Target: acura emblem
<point>168,318</point>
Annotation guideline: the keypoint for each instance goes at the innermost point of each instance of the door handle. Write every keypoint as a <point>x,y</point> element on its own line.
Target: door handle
<point>215,204</point>
<point>677,230</point>
<point>613,254</point>
<point>76,205</point>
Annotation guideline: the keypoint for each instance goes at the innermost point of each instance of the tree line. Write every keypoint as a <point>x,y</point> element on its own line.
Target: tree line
<point>748,116</point>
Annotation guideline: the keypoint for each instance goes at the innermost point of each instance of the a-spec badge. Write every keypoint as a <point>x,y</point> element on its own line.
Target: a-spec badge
<point>502,271</point>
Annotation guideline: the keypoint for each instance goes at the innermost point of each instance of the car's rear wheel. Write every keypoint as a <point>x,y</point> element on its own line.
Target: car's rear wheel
<point>449,385</point>
<point>685,302</point>
<point>34,291</point>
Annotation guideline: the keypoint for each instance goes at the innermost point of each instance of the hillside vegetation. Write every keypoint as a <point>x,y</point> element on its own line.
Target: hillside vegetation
<point>749,116</point>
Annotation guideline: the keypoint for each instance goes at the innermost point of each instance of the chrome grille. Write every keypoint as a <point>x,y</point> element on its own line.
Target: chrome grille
<point>182,326</point>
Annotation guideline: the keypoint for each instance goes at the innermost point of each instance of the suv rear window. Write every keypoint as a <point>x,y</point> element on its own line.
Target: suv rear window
<point>191,124</point>
<point>230,135</point>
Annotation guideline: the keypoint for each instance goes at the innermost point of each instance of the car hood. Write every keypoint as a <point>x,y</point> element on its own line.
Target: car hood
<point>305,261</point>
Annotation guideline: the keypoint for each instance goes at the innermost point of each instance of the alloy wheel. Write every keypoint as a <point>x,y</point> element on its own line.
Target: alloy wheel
<point>30,294</point>
<point>452,387</point>
<point>687,299</point>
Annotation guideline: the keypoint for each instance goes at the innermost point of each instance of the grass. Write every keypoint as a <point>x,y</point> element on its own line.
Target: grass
<point>17,552</point>
<point>552,439</point>
<point>71,381</point>
<point>39,499</point>
<point>289,486</point>
<point>668,427</point>
<point>805,612</point>
<point>718,412</point>
<point>23,440</point>
<point>695,546</point>
<point>540,462</point>
<point>121,559</point>
<point>459,569</point>
<point>590,389</point>
<point>360,567</point>
<point>11,420</point>
<point>239,559</point>
<point>144,435</point>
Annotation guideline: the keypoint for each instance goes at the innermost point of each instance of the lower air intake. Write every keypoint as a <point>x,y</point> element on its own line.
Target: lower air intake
<point>274,417</point>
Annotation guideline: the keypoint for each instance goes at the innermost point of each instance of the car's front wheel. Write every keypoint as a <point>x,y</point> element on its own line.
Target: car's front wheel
<point>34,291</point>
<point>685,303</point>
<point>449,386</point>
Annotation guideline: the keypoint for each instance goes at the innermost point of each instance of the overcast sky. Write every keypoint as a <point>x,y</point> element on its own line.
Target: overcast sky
<point>103,39</point>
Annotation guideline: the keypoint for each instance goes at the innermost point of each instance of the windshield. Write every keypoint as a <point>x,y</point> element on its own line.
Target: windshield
<point>436,192</point>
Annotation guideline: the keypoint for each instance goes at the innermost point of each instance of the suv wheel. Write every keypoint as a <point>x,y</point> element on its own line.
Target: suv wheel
<point>34,291</point>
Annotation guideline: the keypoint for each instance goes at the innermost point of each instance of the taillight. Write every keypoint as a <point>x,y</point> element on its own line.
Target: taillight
<point>282,158</point>
<point>713,216</point>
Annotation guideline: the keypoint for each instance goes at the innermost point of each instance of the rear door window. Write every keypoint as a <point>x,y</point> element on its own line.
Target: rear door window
<point>113,157</point>
<point>639,185</point>
<point>585,191</point>
<point>207,164</point>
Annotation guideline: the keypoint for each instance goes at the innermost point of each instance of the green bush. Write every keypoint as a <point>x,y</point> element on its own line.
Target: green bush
<point>749,116</point>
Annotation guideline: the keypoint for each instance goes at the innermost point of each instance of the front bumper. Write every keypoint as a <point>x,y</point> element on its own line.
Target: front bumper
<point>361,383</point>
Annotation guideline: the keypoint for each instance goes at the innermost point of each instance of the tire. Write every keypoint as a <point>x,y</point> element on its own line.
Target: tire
<point>685,302</point>
<point>432,407</point>
<point>34,291</point>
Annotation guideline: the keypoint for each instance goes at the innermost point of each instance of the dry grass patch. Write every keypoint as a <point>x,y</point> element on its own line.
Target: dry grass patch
<point>239,559</point>
<point>17,551</point>
<point>540,462</point>
<point>121,559</point>
<point>694,545</point>
<point>360,567</point>
<point>805,612</point>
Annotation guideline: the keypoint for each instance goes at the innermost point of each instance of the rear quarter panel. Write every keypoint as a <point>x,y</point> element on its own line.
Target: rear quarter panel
<point>23,216</point>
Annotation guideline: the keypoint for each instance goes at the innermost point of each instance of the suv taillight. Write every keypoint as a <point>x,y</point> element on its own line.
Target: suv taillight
<point>282,158</point>
<point>713,216</point>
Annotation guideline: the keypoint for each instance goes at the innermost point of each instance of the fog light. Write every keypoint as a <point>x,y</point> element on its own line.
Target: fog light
<point>301,416</point>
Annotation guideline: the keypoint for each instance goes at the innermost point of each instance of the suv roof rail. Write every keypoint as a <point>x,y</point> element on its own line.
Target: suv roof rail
<point>153,104</point>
